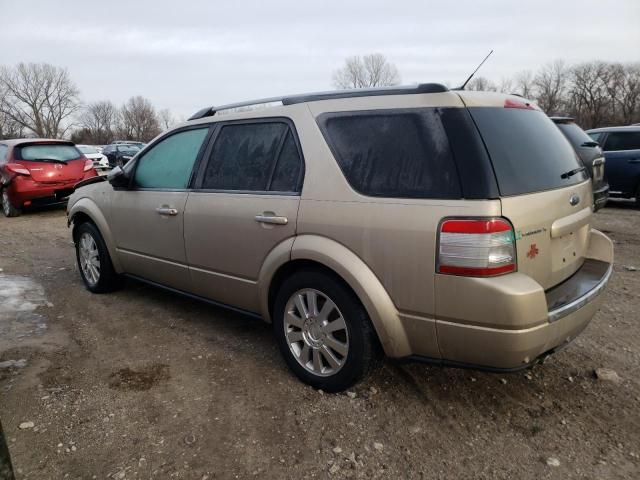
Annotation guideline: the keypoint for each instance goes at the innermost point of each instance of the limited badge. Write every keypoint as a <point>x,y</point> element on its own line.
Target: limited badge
<point>533,251</point>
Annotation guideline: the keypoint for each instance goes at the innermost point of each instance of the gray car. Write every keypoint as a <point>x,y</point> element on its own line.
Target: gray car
<point>591,155</point>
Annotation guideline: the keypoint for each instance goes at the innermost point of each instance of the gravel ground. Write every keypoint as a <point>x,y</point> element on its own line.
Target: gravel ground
<point>145,384</point>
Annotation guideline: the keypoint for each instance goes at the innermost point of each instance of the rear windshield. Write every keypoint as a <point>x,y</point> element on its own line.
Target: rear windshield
<point>41,153</point>
<point>528,152</point>
<point>575,134</point>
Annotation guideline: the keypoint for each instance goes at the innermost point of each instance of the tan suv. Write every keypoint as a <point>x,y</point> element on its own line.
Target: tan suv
<point>450,227</point>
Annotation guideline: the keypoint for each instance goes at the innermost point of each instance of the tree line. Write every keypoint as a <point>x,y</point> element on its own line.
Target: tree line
<point>596,94</point>
<point>39,99</point>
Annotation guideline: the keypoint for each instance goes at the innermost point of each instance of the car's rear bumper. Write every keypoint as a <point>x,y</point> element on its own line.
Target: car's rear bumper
<point>508,323</point>
<point>24,190</point>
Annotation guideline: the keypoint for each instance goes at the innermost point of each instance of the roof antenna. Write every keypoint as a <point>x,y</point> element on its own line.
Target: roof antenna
<point>474,72</point>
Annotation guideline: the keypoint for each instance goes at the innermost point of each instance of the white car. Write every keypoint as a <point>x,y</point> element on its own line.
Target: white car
<point>100,161</point>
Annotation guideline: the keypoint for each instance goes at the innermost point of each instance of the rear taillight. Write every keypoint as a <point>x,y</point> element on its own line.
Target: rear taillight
<point>476,247</point>
<point>88,165</point>
<point>17,169</point>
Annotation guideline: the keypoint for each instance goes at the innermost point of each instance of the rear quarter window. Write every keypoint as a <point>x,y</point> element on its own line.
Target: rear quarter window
<point>528,151</point>
<point>393,153</point>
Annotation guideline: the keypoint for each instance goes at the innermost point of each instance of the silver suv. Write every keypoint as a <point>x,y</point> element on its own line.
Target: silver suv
<point>449,227</point>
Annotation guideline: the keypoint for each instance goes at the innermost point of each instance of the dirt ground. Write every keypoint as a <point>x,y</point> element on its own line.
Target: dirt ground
<point>142,383</point>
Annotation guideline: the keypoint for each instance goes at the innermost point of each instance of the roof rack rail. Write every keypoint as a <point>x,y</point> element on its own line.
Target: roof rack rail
<point>335,94</point>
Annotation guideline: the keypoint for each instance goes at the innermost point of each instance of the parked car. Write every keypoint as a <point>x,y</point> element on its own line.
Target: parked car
<point>100,161</point>
<point>449,227</point>
<point>621,147</point>
<point>591,156</point>
<point>140,145</point>
<point>39,171</point>
<point>119,154</point>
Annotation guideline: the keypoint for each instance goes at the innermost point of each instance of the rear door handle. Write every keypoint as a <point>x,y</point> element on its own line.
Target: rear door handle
<point>167,211</point>
<point>634,160</point>
<point>273,219</point>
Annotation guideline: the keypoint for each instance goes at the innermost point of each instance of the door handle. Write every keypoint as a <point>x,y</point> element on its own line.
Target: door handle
<point>167,211</point>
<point>273,219</point>
<point>634,160</point>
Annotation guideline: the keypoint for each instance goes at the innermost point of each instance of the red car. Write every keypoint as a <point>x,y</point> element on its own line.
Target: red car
<point>37,172</point>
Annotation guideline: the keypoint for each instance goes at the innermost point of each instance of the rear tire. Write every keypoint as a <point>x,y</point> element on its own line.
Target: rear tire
<point>94,262</point>
<point>323,331</point>
<point>638,196</point>
<point>8,208</point>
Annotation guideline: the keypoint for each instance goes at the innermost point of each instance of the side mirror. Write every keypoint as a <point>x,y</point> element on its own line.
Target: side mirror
<point>118,177</point>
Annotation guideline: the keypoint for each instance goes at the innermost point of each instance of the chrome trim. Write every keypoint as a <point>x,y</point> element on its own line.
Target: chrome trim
<point>167,211</point>
<point>580,302</point>
<point>272,219</point>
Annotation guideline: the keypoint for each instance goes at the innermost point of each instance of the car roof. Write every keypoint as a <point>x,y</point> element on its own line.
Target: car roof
<point>347,98</point>
<point>18,141</point>
<point>626,128</point>
<point>563,119</point>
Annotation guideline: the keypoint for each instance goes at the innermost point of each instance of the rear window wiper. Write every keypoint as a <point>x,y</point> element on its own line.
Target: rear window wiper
<point>48,160</point>
<point>571,173</point>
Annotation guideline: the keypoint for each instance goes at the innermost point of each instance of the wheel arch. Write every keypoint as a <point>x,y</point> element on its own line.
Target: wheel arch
<point>316,252</point>
<point>86,210</point>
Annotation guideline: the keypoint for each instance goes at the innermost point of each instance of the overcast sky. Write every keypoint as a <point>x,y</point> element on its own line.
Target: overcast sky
<point>185,54</point>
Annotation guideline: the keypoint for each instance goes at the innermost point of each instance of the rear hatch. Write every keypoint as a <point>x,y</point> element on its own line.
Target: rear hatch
<point>544,189</point>
<point>51,162</point>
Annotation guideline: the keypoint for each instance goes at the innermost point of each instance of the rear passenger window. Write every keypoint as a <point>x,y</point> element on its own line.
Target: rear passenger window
<point>260,157</point>
<point>393,153</point>
<point>617,141</point>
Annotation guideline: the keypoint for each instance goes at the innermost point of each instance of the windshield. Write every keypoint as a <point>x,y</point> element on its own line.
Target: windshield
<point>528,152</point>
<point>48,152</point>
<point>87,149</point>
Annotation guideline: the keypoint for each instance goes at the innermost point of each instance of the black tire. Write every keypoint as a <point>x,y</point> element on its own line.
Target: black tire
<point>108,280</point>
<point>638,196</point>
<point>364,352</point>
<point>8,208</point>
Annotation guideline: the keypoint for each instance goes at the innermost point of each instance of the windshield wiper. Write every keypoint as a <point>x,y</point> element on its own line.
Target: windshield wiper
<point>571,173</point>
<point>48,160</point>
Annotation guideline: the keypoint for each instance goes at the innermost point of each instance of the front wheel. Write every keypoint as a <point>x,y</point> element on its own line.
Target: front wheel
<point>323,331</point>
<point>93,260</point>
<point>8,208</point>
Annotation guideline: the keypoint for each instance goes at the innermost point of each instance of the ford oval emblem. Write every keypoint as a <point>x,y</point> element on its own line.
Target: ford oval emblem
<point>574,200</point>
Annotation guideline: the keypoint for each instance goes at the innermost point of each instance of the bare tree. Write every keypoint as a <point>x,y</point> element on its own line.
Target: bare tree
<point>589,96</point>
<point>9,128</point>
<point>551,84</point>
<point>39,97</point>
<point>482,84</point>
<point>138,120</point>
<point>627,96</point>
<point>506,85</point>
<point>524,84</point>
<point>166,119</point>
<point>98,122</point>
<point>372,70</point>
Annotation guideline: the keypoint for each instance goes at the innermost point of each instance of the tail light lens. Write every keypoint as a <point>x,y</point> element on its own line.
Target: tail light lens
<point>88,165</point>
<point>17,169</point>
<point>476,247</point>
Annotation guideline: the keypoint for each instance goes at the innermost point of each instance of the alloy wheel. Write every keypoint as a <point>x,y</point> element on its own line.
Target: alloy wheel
<point>89,258</point>
<point>316,332</point>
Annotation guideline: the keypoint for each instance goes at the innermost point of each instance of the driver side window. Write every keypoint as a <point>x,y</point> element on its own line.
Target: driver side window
<point>168,164</point>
